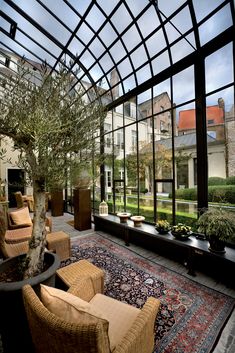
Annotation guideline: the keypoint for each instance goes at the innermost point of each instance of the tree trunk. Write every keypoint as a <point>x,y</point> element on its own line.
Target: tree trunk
<point>37,243</point>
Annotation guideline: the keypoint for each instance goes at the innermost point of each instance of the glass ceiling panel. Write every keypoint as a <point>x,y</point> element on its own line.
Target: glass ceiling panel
<point>117,51</point>
<point>137,6</point>
<point>139,56</point>
<point>156,43</point>
<point>203,8</point>
<point>168,8</point>
<point>148,22</point>
<point>135,38</point>
<point>95,18</point>
<point>180,50</point>
<point>121,18</point>
<point>87,59</point>
<point>131,38</point>
<point>65,14</point>
<point>160,63</point>
<point>125,67</point>
<point>143,74</point>
<point>80,6</point>
<point>48,22</point>
<point>107,34</point>
<point>107,6</point>
<point>85,33</point>
<point>215,25</point>
<point>182,26</point>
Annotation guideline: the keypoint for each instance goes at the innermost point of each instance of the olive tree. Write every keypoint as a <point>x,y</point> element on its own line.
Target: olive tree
<point>52,127</point>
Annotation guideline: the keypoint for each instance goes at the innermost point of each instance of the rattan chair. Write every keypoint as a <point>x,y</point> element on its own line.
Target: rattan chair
<point>21,200</point>
<point>51,334</point>
<point>11,250</point>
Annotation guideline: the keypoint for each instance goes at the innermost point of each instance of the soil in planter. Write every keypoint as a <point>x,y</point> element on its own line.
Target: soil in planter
<point>15,274</point>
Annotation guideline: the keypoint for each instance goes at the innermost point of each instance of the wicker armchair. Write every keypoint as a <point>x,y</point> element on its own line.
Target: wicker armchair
<point>11,250</point>
<point>53,334</point>
<point>21,200</point>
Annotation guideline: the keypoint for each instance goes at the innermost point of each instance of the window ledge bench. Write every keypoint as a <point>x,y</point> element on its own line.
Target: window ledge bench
<point>192,252</point>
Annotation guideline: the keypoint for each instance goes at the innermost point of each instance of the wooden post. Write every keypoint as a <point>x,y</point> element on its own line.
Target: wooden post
<point>82,209</point>
<point>57,203</point>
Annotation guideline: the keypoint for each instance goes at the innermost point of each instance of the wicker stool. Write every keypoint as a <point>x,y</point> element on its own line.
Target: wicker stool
<point>71,273</point>
<point>59,242</point>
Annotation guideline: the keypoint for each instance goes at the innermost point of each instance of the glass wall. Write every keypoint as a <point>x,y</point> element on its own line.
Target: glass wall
<point>153,158</point>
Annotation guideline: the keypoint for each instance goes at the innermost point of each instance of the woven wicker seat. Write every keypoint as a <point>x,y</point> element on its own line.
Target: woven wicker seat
<point>59,242</point>
<point>53,334</point>
<point>70,274</point>
<point>18,235</point>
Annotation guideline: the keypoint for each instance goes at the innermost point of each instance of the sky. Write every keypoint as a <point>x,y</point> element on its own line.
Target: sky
<point>107,50</point>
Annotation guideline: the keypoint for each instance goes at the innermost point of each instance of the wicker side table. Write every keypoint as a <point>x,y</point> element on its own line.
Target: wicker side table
<point>59,242</point>
<point>72,272</point>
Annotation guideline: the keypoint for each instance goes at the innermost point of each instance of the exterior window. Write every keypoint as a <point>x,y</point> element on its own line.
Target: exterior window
<point>120,143</point>
<point>107,128</point>
<point>133,139</point>
<point>161,108</point>
<point>210,121</point>
<point>109,179</point>
<point>127,109</point>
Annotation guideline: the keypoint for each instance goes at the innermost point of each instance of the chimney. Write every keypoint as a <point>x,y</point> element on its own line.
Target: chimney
<point>114,79</point>
<point>221,103</point>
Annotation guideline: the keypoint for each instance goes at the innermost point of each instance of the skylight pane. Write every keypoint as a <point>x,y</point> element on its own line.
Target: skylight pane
<point>148,22</point>
<point>168,7</point>
<point>137,6</point>
<point>95,18</point>
<point>215,25</point>
<point>203,8</point>
<point>85,33</point>
<point>156,43</point>
<point>180,50</point>
<point>131,38</point>
<point>107,34</point>
<point>160,63</point>
<point>63,12</point>
<point>121,18</point>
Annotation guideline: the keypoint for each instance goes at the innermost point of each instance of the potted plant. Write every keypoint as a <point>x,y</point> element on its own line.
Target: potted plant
<point>52,128</point>
<point>218,225</point>
<point>162,226</point>
<point>181,231</point>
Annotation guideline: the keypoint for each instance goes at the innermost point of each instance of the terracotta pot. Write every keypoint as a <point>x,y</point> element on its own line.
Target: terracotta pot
<point>13,323</point>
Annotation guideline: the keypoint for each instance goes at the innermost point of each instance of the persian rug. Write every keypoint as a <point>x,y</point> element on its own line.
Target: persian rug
<point>191,316</point>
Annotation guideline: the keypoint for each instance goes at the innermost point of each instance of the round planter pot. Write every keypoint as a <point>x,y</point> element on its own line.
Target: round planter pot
<point>180,236</point>
<point>137,220</point>
<point>13,323</point>
<point>216,246</point>
<point>123,216</point>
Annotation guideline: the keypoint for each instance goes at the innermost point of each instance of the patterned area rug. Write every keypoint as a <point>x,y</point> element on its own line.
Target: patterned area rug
<point>191,316</point>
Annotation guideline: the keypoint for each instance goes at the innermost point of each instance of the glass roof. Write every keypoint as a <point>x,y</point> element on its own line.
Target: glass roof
<point>113,43</point>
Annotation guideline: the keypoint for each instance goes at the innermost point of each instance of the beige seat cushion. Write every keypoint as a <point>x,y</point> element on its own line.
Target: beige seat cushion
<point>21,216</point>
<point>120,316</point>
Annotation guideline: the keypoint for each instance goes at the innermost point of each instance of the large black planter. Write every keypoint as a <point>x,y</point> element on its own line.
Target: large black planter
<point>217,245</point>
<point>13,323</point>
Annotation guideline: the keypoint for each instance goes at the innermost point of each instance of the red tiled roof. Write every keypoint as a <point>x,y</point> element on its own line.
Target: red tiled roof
<point>187,117</point>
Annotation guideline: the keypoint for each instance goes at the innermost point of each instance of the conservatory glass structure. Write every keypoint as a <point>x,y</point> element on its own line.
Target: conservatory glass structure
<point>165,72</point>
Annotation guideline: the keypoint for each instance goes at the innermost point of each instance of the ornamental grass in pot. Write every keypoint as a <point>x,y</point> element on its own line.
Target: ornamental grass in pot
<point>218,225</point>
